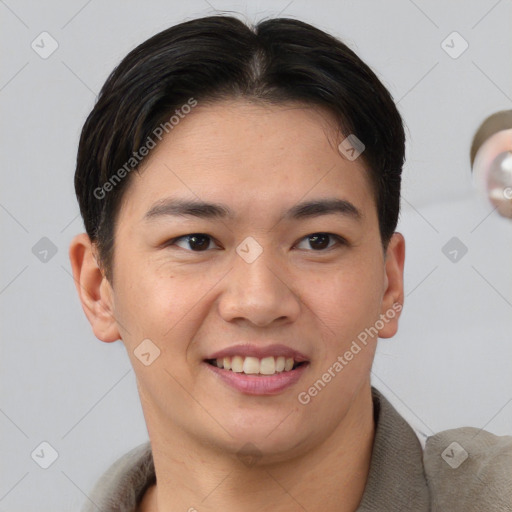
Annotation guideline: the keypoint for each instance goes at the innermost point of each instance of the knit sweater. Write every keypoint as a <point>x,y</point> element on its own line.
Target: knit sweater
<point>460,470</point>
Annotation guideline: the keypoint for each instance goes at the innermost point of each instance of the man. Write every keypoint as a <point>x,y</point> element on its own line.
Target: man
<point>240,190</point>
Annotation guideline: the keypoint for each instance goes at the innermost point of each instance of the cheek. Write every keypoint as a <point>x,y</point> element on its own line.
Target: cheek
<point>346,300</point>
<point>162,304</point>
<point>146,303</point>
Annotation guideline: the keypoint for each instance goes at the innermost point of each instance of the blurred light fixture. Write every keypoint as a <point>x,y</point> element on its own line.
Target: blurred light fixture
<point>491,161</point>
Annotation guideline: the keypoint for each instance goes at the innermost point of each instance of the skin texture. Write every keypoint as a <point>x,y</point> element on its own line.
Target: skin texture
<point>260,161</point>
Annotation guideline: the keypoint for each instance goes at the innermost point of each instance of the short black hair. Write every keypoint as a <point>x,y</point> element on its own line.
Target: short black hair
<point>214,58</point>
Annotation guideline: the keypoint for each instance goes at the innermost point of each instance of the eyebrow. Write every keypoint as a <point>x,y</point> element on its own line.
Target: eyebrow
<point>200,209</point>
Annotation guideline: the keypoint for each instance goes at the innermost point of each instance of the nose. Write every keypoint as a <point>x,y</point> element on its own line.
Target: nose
<point>259,292</point>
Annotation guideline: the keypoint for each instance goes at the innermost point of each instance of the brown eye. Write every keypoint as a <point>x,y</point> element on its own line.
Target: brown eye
<point>320,241</point>
<point>197,242</point>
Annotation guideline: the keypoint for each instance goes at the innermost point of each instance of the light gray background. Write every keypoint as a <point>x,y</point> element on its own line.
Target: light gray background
<point>450,363</point>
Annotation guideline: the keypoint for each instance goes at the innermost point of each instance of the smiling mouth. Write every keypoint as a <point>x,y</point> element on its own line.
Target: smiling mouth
<point>257,367</point>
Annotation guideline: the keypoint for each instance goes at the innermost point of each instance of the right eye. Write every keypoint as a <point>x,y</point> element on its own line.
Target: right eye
<point>199,242</point>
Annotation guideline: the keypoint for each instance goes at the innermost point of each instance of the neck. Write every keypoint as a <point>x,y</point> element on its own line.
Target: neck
<point>329,478</point>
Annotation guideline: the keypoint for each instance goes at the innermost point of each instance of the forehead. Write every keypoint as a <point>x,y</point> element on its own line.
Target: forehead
<point>253,157</point>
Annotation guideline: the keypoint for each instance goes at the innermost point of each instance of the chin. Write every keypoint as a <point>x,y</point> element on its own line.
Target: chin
<point>268,438</point>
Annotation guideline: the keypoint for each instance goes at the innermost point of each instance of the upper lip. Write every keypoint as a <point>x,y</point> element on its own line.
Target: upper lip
<point>260,352</point>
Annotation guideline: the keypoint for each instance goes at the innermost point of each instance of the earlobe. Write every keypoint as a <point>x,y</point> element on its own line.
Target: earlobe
<point>393,297</point>
<point>94,291</point>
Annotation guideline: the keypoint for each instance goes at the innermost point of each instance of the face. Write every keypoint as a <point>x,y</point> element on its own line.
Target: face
<point>261,280</point>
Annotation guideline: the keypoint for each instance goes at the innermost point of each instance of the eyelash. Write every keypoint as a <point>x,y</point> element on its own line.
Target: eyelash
<point>339,239</point>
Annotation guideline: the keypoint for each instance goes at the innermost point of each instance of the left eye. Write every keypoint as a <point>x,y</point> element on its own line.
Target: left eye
<point>321,240</point>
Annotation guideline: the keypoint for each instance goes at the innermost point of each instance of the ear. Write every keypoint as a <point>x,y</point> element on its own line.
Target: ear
<point>393,298</point>
<point>93,288</point>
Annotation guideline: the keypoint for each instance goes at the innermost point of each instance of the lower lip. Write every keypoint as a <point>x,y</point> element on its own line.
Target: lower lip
<point>259,385</point>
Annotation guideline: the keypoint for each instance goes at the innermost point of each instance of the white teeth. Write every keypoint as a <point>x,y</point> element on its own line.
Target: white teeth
<point>268,366</point>
<point>237,364</point>
<point>253,366</point>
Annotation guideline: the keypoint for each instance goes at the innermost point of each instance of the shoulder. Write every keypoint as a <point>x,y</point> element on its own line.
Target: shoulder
<point>469,469</point>
<point>121,486</point>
